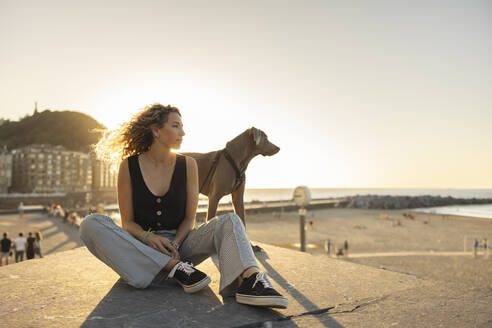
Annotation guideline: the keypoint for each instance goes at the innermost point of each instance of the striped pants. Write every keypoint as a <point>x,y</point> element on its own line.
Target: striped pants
<point>139,264</point>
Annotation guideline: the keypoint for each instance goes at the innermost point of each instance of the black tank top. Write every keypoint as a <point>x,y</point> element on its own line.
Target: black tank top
<point>159,212</point>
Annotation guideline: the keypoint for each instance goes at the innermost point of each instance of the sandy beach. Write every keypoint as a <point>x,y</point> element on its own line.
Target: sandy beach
<point>376,239</point>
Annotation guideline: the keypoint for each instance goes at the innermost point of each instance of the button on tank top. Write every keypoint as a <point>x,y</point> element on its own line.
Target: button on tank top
<point>159,212</point>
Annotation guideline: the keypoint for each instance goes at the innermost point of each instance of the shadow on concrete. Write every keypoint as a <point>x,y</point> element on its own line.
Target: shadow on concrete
<point>53,231</point>
<point>166,305</point>
<point>310,307</point>
<point>47,228</point>
<point>60,245</point>
<point>68,234</point>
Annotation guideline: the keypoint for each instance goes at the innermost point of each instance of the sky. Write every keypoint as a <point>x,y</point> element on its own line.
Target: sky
<point>379,94</point>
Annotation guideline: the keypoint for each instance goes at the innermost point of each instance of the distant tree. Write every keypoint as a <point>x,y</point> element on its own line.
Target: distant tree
<point>72,130</point>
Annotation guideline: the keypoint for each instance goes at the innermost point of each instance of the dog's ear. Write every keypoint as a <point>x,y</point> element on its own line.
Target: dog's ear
<point>256,135</point>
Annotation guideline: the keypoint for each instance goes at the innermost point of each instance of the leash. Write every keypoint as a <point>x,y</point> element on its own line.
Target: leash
<point>212,170</point>
<point>240,176</point>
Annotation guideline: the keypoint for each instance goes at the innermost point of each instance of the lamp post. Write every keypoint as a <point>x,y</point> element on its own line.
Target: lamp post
<point>302,197</point>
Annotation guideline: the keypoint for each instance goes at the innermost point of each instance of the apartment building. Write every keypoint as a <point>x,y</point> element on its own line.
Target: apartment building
<point>47,168</point>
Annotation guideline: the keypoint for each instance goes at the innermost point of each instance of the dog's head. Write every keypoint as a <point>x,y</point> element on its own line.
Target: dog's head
<point>261,142</point>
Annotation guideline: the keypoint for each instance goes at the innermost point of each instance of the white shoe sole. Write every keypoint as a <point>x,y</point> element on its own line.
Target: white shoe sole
<point>267,301</point>
<point>197,286</point>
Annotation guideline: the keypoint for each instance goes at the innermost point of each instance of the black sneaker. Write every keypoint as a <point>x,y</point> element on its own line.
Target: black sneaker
<point>257,290</point>
<point>192,280</point>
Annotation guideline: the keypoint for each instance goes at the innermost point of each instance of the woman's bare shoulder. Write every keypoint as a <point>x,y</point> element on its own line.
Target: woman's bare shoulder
<point>124,164</point>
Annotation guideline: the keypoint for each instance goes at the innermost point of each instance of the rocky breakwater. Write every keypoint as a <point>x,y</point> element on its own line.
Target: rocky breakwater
<point>402,202</point>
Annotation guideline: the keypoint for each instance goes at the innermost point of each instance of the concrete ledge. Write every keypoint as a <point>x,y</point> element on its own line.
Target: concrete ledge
<point>73,288</point>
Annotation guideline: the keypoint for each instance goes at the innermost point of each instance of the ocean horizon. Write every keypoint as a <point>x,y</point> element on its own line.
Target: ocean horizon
<point>274,194</point>
<point>271,194</point>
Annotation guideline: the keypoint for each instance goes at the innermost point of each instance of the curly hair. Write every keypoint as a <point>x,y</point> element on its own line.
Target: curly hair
<point>135,136</point>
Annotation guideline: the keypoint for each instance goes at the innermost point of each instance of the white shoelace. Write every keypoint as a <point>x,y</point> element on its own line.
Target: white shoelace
<point>263,278</point>
<point>183,266</point>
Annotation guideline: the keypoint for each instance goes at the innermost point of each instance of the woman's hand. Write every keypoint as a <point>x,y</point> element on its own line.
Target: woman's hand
<point>163,245</point>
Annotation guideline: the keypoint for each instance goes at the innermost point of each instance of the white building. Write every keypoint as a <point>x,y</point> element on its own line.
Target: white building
<point>5,171</point>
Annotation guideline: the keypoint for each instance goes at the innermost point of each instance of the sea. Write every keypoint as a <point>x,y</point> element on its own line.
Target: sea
<point>481,211</point>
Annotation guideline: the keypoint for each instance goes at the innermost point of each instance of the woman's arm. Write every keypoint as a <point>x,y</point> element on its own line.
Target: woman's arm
<point>191,200</point>
<point>125,202</point>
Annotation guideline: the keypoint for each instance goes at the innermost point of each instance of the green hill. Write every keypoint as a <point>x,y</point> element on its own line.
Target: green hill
<point>72,130</point>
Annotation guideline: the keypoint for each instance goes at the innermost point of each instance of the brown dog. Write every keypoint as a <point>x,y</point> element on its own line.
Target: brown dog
<point>222,172</point>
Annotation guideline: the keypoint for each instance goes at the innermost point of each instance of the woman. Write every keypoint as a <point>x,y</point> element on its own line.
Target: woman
<point>30,246</point>
<point>158,198</point>
<point>37,245</point>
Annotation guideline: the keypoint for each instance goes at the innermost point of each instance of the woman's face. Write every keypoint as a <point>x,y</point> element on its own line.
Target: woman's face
<point>171,134</point>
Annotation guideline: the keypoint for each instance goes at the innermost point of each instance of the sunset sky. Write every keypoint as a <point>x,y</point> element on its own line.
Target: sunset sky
<point>394,94</point>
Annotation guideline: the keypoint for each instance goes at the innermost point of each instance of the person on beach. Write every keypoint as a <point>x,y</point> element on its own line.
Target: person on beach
<point>30,246</point>
<point>20,247</point>
<point>328,247</point>
<point>37,245</point>
<point>20,208</point>
<point>158,198</point>
<point>6,243</point>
